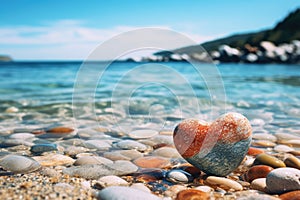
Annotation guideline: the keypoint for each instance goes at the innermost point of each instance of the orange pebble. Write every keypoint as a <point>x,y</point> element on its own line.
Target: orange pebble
<point>60,129</point>
<point>258,171</point>
<point>255,151</point>
<point>192,194</point>
<point>294,195</point>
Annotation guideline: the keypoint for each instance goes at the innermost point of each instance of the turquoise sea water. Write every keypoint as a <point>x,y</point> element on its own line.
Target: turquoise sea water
<point>128,96</point>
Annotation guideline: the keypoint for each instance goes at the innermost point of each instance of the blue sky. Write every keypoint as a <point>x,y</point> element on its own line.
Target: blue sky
<point>57,29</point>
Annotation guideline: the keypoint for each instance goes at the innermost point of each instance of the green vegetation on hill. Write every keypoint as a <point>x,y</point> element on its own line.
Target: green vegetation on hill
<point>285,31</point>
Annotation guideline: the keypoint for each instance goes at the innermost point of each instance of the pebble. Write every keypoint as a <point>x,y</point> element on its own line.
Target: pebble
<point>123,155</point>
<point>167,152</point>
<point>75,150</point>
<point>41,148</point>
<point>112,180</point>
<point>226,141</point>
<point>142,134</point>
<point>19,164</point>
<point>259,184</point>
<point>286,136</point>
<point>140,186</point>
<point>258,171</point>
<point>60,130</point>
<point>179,176</point>
<point>292,161</point>
<point>54,160</point>
<point>293,143</point>
<point>265,159</point>
<point>22,136</point>
<point>264,136</point>
<point>192,194</point>
<point>118,168</point>
<point>101,145</point>
<point>64,186</point>
<point>88,160</point>
<point>125,193</point>
<point>50,172</point>
<point>152,162</point>
<point>283,180</point>
<point>254,151</point>
<point>283,148</point>
<point>224,183</point>
<point>294,195</point>
<point>174,189</point>
<point>131,144</point>
<point>204,188</point>
<point>12,110</point>
<point>263,143</point>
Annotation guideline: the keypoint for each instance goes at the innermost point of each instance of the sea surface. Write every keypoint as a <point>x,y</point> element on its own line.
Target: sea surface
<point>125,96</point>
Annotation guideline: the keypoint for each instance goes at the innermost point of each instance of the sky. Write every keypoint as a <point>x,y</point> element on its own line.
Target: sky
<point>72,29</point>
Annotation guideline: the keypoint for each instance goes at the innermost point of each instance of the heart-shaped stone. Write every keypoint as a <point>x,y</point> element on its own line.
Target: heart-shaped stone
<point>217,148</point>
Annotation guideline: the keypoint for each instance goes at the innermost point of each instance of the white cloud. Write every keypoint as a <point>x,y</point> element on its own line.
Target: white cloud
<point>71,39</point>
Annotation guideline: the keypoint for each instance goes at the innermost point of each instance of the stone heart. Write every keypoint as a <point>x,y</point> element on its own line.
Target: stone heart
<point>217,148</point>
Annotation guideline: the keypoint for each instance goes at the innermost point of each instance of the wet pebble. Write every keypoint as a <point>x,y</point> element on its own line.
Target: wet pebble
<point>60,129</point>
<point>259,184</point>
<point>204,188</point>
<point>142,134</point>
<point>254,151</point>
<point>123,193</point>
<point>265,159</point>
<point>152,162</point>
<point>167,152</point>
<point>292,161</point>
<point>74,150</point>
<point>88,160</point>
<point>192,194</point>
<point>19,164</point>
<point>224,183</point>
<point>112,180</point>
<point>283,148</point>
<point>131,144</point>
<point>286,136</point>
<point>22,136</point>
<point>264,136</point>
<point>140,186</point>
<point>123,155</point>
<point>179,176</point>
<point>54,160</point>
<point>41,148</point>
<point>97,144</point>
<point>283,180</point>
<point>263,143</point>
<point>118,168</point>
<point>258,171</point>
<point>293,143</point>
<point>294,195</point>
<point>201,143</point>
<point>12,110</point>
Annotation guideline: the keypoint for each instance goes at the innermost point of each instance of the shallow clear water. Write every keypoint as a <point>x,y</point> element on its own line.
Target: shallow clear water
<point>127,96</point>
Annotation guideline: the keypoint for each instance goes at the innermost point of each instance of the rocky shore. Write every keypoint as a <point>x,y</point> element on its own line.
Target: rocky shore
<point>97,163</point>
<point>265,52</point>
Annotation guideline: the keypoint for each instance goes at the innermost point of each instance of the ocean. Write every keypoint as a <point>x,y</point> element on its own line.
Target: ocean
<point>126,96</point>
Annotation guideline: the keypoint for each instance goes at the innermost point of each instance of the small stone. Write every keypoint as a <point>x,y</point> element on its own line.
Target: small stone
<point>283,180</point>
<point>131,144</point>
<point>265,159</point>
<point>173,190</point>
<point>179,176</point>
<point>264,136</point>
<point>192,194</point>
<point>123,155</point>
<point>259,184</point>
<point>112,180</point>
<point>283,148</point>
<point>54,160</point>
<point>142,134</point>
<point>101,145</point>
<point>258,171</point>
<point>167,152</point>
<point>226,140</point>
<point>124,193</point>
<point>118,168</point>
<point>12,110</point>
<point>74,150</point>
<point>41,148</point>
<point>64,186</point>
<point>49,172</point>
<point>204,188</point>
<point>19,164</point>
<point>286,136</point>
<point>60,130</point>
<point>294,195</point>
<point>88,160</point>
<point>22,136</point>
<point>293,143</point>
<point>254,151</point>
<point>224,183</point>
<point>263,143</point>
<point>152,162</point>
<point>140,186</point>
<point>292,161</point>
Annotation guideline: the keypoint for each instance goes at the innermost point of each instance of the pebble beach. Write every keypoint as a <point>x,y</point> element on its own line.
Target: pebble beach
<point>47,154</point>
